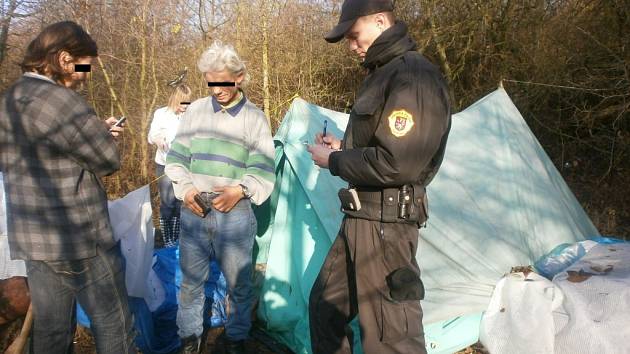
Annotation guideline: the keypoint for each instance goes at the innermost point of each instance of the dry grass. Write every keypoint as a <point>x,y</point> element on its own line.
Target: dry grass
<point>84,343</point>
<point>9,332</point>
<point>477,348</point>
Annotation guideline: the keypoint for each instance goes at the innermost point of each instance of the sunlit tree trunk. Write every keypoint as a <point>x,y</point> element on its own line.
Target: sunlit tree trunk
<point>265,59</point>
<point>144,151</point>
<point>441,51</point>
<point>239,24</point>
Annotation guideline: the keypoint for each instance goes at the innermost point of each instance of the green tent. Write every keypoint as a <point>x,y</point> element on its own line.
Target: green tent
<point>497,202</point>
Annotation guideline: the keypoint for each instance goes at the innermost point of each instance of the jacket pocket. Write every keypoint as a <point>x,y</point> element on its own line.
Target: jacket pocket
<point>400,320</point>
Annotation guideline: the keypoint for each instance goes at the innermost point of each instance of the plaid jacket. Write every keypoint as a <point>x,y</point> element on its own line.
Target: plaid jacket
<point>53,149</point>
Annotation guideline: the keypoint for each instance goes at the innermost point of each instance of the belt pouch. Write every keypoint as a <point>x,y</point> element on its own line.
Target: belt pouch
<point>389,205</point>
<point>349,200</point>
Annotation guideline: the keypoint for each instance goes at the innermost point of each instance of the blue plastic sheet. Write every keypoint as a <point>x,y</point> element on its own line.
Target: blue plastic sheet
<point>565,254</point>
<point>157,330</point>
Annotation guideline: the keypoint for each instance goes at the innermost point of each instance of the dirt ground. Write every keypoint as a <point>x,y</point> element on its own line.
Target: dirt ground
<point>84,343</point>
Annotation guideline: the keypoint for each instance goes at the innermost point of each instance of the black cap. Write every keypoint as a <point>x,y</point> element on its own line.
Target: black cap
<point>351,10</point>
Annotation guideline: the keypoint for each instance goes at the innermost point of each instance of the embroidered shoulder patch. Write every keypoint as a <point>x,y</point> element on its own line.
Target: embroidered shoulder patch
<point>400,122</point>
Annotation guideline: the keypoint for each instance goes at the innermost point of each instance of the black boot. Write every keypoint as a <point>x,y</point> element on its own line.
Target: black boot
<point>235,347</point>
<point>190,345</point>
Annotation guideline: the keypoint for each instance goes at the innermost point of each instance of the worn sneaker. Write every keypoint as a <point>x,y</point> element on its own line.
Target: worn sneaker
<point>190,345</point>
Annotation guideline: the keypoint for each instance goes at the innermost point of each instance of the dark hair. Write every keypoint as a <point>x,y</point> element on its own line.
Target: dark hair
<point>44,50</point>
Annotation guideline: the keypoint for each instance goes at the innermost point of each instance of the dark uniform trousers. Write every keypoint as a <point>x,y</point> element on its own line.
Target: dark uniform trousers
<point>353,280</point>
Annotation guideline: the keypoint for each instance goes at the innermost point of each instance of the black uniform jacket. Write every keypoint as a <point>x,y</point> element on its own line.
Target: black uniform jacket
<point>400,120</point>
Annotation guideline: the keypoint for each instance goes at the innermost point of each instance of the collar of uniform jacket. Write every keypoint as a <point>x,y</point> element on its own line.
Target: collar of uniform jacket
<point>392,43</point>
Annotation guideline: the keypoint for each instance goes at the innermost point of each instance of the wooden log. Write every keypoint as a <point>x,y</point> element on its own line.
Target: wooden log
<point>17,347</point>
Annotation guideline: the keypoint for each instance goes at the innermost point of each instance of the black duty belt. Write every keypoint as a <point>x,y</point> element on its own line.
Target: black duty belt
<point>407,204</point>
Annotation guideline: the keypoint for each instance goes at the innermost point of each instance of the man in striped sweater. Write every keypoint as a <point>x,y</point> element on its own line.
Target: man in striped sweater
<point>222,156</point>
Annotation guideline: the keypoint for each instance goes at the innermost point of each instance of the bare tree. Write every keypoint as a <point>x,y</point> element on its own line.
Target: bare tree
<point>9,11</point>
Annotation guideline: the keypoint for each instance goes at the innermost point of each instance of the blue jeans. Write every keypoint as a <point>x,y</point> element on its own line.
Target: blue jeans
<point>228,238</point>
<point>169,204</point>
<point>98,283</point>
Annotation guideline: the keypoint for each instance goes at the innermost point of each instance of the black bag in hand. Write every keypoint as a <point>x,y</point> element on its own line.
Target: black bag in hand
<point>204,200</point>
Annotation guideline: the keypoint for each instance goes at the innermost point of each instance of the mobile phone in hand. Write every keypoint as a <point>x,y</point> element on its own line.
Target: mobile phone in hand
<point>119,122</point>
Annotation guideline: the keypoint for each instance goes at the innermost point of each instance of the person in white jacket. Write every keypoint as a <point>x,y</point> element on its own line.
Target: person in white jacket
<point>162,132</point>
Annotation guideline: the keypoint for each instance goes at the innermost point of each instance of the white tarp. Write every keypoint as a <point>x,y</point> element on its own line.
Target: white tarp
<point>3,214</point>
<point>498,201</point>
<point>519,319</point>
<point>130,217</point>
<point>596,309</point>
<point>584,310</point>
<point>8,268</point>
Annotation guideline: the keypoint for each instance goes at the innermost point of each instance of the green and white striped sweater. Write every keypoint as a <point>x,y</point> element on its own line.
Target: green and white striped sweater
<point>215,146</point>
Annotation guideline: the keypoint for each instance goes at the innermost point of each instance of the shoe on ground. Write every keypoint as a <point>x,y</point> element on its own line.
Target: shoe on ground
<point>190,345</point>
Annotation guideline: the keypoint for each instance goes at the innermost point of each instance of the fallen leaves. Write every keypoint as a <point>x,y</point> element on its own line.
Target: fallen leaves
<point>578,277</point>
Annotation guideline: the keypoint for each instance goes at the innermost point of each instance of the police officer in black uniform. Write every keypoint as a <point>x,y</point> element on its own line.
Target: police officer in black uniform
<point>391,150</point>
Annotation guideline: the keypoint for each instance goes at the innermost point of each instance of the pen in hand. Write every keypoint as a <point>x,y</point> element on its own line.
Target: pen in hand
<point>324,134</point>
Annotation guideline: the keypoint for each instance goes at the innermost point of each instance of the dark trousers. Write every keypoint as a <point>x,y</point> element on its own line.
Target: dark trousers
<point>98,283</point>
<point>169,204</point>
<point>353,281</point>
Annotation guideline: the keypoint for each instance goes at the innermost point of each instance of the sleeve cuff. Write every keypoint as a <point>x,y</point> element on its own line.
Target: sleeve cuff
<point>249,188</point>
<point>184,190</point>
<point>333,163</point>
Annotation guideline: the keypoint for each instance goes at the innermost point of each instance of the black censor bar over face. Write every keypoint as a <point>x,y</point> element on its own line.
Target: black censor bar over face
<point>184,103</point>
<point>221,84</point>
<point>82,68</point>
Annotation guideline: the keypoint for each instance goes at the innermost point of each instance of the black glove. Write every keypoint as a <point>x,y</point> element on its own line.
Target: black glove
<point>404,284</point>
